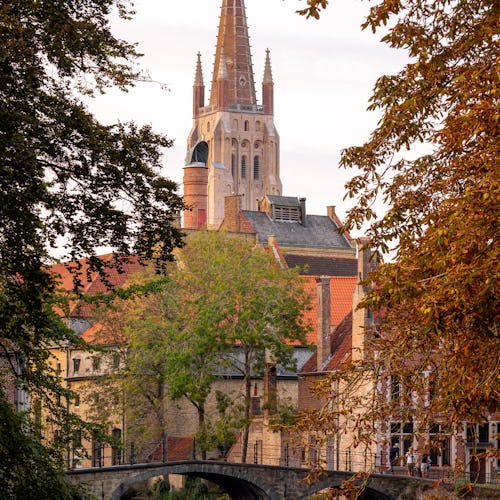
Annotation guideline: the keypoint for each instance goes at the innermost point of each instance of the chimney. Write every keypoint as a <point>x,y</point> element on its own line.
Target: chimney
<point>365,263</point>
<point>303,214</point>
<point>323,350</point>
<point>361,318</point>
<point>232,209</point>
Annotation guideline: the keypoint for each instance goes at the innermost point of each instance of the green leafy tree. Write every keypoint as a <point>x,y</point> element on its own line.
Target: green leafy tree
<point>67,181</point>
<point>225,295</point>
<point>129,328</point>
<point>240,298</point>
<point>23,456</point>
<point>438,296</point>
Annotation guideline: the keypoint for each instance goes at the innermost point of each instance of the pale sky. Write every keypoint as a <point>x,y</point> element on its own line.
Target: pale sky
<point>323,71</point>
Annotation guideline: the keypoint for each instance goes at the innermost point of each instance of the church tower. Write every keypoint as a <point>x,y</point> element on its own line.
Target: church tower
<point>233,146</point>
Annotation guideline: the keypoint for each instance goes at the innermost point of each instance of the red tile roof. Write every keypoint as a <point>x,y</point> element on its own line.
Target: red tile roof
<point>91,281</point>
<point>340,348</point>
<point>341,293</point>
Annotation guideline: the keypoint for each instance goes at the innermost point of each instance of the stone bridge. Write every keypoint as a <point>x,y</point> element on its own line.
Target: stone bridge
<point>244,481</point>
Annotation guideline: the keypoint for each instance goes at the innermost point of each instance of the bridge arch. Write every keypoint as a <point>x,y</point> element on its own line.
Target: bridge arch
<point>367,494</point>
<point>239,483</point>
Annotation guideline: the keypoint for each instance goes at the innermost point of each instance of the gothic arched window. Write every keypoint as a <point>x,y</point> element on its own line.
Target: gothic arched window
<point>243,167</point>
<point>256,167</point>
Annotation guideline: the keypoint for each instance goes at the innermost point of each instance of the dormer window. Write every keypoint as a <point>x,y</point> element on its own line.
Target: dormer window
<point>282,213</point>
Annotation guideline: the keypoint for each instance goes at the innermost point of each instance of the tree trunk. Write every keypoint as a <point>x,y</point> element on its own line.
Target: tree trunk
<point>248,402</point>
<point>164,450</point>
<point>201,427</point>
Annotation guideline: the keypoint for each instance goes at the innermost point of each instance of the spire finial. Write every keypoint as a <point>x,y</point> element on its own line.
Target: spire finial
<point>198,75</point>
<point>268,75</point>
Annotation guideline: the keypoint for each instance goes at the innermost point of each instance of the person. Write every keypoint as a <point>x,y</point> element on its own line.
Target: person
<point>410,461</point>
<point>393,456</point>
<point>424,465</point>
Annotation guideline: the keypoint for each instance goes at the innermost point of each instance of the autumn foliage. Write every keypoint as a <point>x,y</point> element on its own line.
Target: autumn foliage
<point>432,161</point>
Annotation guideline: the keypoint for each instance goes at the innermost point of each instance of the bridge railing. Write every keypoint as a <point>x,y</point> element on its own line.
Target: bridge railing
<point>285,456</point>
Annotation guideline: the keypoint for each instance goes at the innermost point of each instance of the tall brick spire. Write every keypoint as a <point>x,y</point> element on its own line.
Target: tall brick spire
<point>233,148</point>
<point>233,46</point>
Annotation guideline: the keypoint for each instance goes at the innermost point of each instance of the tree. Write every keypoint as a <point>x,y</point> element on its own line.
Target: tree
<point>438,296</point>
<point>227,303</point>
<point>67,181</point>
<point>22,455</point>
<point>241,299</point>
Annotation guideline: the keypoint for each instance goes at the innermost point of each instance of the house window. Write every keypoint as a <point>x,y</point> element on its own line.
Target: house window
<point>96,363</point>
<point>478,433</point>
<point>290,214</point>
<point>313,451</point>
<point>243,167</point>
<point>256,167</point>
<point>97,453</point>
<point>116,361</point>
<point>77,400</point>
<point>76,365</point>
<point>116,454</point>
<point>247,126</point>
<point>440,446</point>
<point>402,433</point>
<point>233,165</point>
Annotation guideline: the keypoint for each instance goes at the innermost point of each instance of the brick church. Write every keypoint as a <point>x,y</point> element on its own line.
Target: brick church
<point>232,182</point>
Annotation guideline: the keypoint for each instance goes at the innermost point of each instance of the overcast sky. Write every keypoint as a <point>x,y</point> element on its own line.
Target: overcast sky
<point>323,73</point>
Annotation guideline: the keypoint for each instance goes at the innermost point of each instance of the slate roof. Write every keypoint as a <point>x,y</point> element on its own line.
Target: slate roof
<point>312,265</point>
<point>319,232</point>
<point>284,201</point>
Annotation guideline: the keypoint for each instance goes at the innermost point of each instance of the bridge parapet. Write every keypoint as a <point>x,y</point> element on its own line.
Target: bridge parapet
<point>258,482</point>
